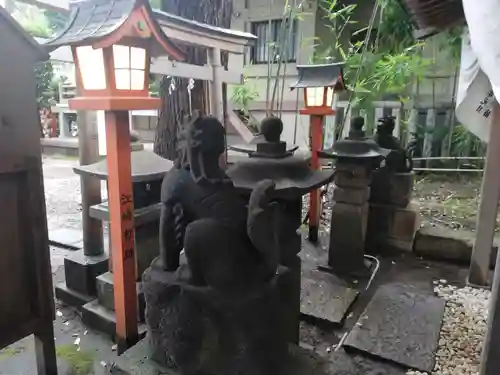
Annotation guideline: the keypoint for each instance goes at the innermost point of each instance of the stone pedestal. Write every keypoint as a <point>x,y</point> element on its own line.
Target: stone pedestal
<point>146,225</point>
<point>106,294</point>
<point>290,246</point>
<point>100,313</point>
<point>393,219</point>
<point>393,189</point>
<point>197,330</point>
<point>393,227</point>
<point>80,274</point>
<point>147,243</point>
<point>349,220</point>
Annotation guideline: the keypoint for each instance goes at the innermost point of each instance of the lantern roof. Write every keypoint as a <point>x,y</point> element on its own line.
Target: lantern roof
<point>322,75</point>
<point>357,147</point>
<point>291,174</point>
<point>93,21</point>
<point>145,166</point>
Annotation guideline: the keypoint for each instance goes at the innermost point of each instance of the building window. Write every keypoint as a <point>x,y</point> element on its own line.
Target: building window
<point>273,36</point>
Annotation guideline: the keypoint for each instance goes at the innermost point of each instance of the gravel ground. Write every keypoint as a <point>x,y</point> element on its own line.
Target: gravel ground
<point>464,327</point>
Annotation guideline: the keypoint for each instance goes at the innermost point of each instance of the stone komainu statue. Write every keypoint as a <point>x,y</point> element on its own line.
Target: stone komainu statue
<point>217,311</point>
<point>226,244</point>
<point>392,184</point>
<point>399,159</point>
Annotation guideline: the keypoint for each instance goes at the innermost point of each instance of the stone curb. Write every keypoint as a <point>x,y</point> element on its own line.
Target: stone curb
<point>447,245</point>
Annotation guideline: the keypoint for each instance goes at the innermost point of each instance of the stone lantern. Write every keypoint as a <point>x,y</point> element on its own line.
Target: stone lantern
<point>147,172</point>
<point>356,157</point>
<point>293,178</point>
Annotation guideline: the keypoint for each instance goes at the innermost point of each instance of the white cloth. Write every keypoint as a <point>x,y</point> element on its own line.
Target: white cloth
<point>479,81</point>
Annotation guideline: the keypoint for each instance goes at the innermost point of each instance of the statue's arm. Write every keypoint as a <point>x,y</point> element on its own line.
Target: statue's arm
<point>169,249</point>
<point>262,225</point>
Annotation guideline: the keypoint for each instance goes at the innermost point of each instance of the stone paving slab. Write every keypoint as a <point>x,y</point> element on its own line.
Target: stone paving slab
<point>71,239</point>
<point>400,324</point>
<point>324,297</point>
<point>135,362</point>
<point>341,363</point>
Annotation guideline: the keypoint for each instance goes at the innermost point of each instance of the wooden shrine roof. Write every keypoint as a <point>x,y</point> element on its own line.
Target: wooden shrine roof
<point>94,20</point>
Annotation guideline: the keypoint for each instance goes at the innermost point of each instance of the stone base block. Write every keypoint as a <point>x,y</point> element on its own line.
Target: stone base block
<point>356,196</point>
<point>449,245</point>
<point>146,244</point>
<point>81,272</point>
<point>325,298</point>
<point>393,227</point>
<point>394,189</point>
<point>347,239</point>
<point>97,317</point>
<point>106,294</point>
<point>197,330</point>
<point>71,297</point>
<point>289,279</point>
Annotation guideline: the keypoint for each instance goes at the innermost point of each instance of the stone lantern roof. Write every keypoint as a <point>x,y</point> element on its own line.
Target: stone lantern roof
<point>272,160</point>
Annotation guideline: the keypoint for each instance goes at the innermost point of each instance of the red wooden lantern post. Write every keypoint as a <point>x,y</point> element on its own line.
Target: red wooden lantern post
<point>112,58</point>
<point>319,82</point>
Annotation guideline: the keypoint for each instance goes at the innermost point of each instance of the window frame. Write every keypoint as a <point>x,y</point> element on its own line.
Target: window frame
<point>272,27</point>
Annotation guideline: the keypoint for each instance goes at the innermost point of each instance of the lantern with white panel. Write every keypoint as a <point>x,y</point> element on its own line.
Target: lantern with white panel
<point>119,67</point>
<point>112,44</point>
<point>115,76</point>
<point>318,97</point>
<point>319,82</point>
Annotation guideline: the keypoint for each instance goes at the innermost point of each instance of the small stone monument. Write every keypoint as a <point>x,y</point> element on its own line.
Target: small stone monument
<point>212,297</point>
<point>356,158</point>
<point>394,219</point>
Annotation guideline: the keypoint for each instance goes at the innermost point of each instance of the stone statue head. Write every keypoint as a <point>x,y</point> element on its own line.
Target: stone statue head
<point>356,131</point>
<point>206,135</point>
<point>386,125</point>
<point>202,142</point>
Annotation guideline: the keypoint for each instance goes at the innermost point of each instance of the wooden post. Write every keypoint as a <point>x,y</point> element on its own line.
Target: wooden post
<point>490,362</point>
<point>488,207</point>
<point>216,95</point>
<point>45,349</point>
<point>430,124</point>
<point>121,208</point>
<point>316,141</point>
<point>88,152</point>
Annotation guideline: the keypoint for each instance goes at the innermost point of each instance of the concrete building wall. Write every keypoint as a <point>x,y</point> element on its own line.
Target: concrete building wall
<point>244,13</point>
<point>315,34</point>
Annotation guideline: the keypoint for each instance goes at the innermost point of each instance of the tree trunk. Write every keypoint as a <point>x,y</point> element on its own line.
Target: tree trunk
<point>175,102</point>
